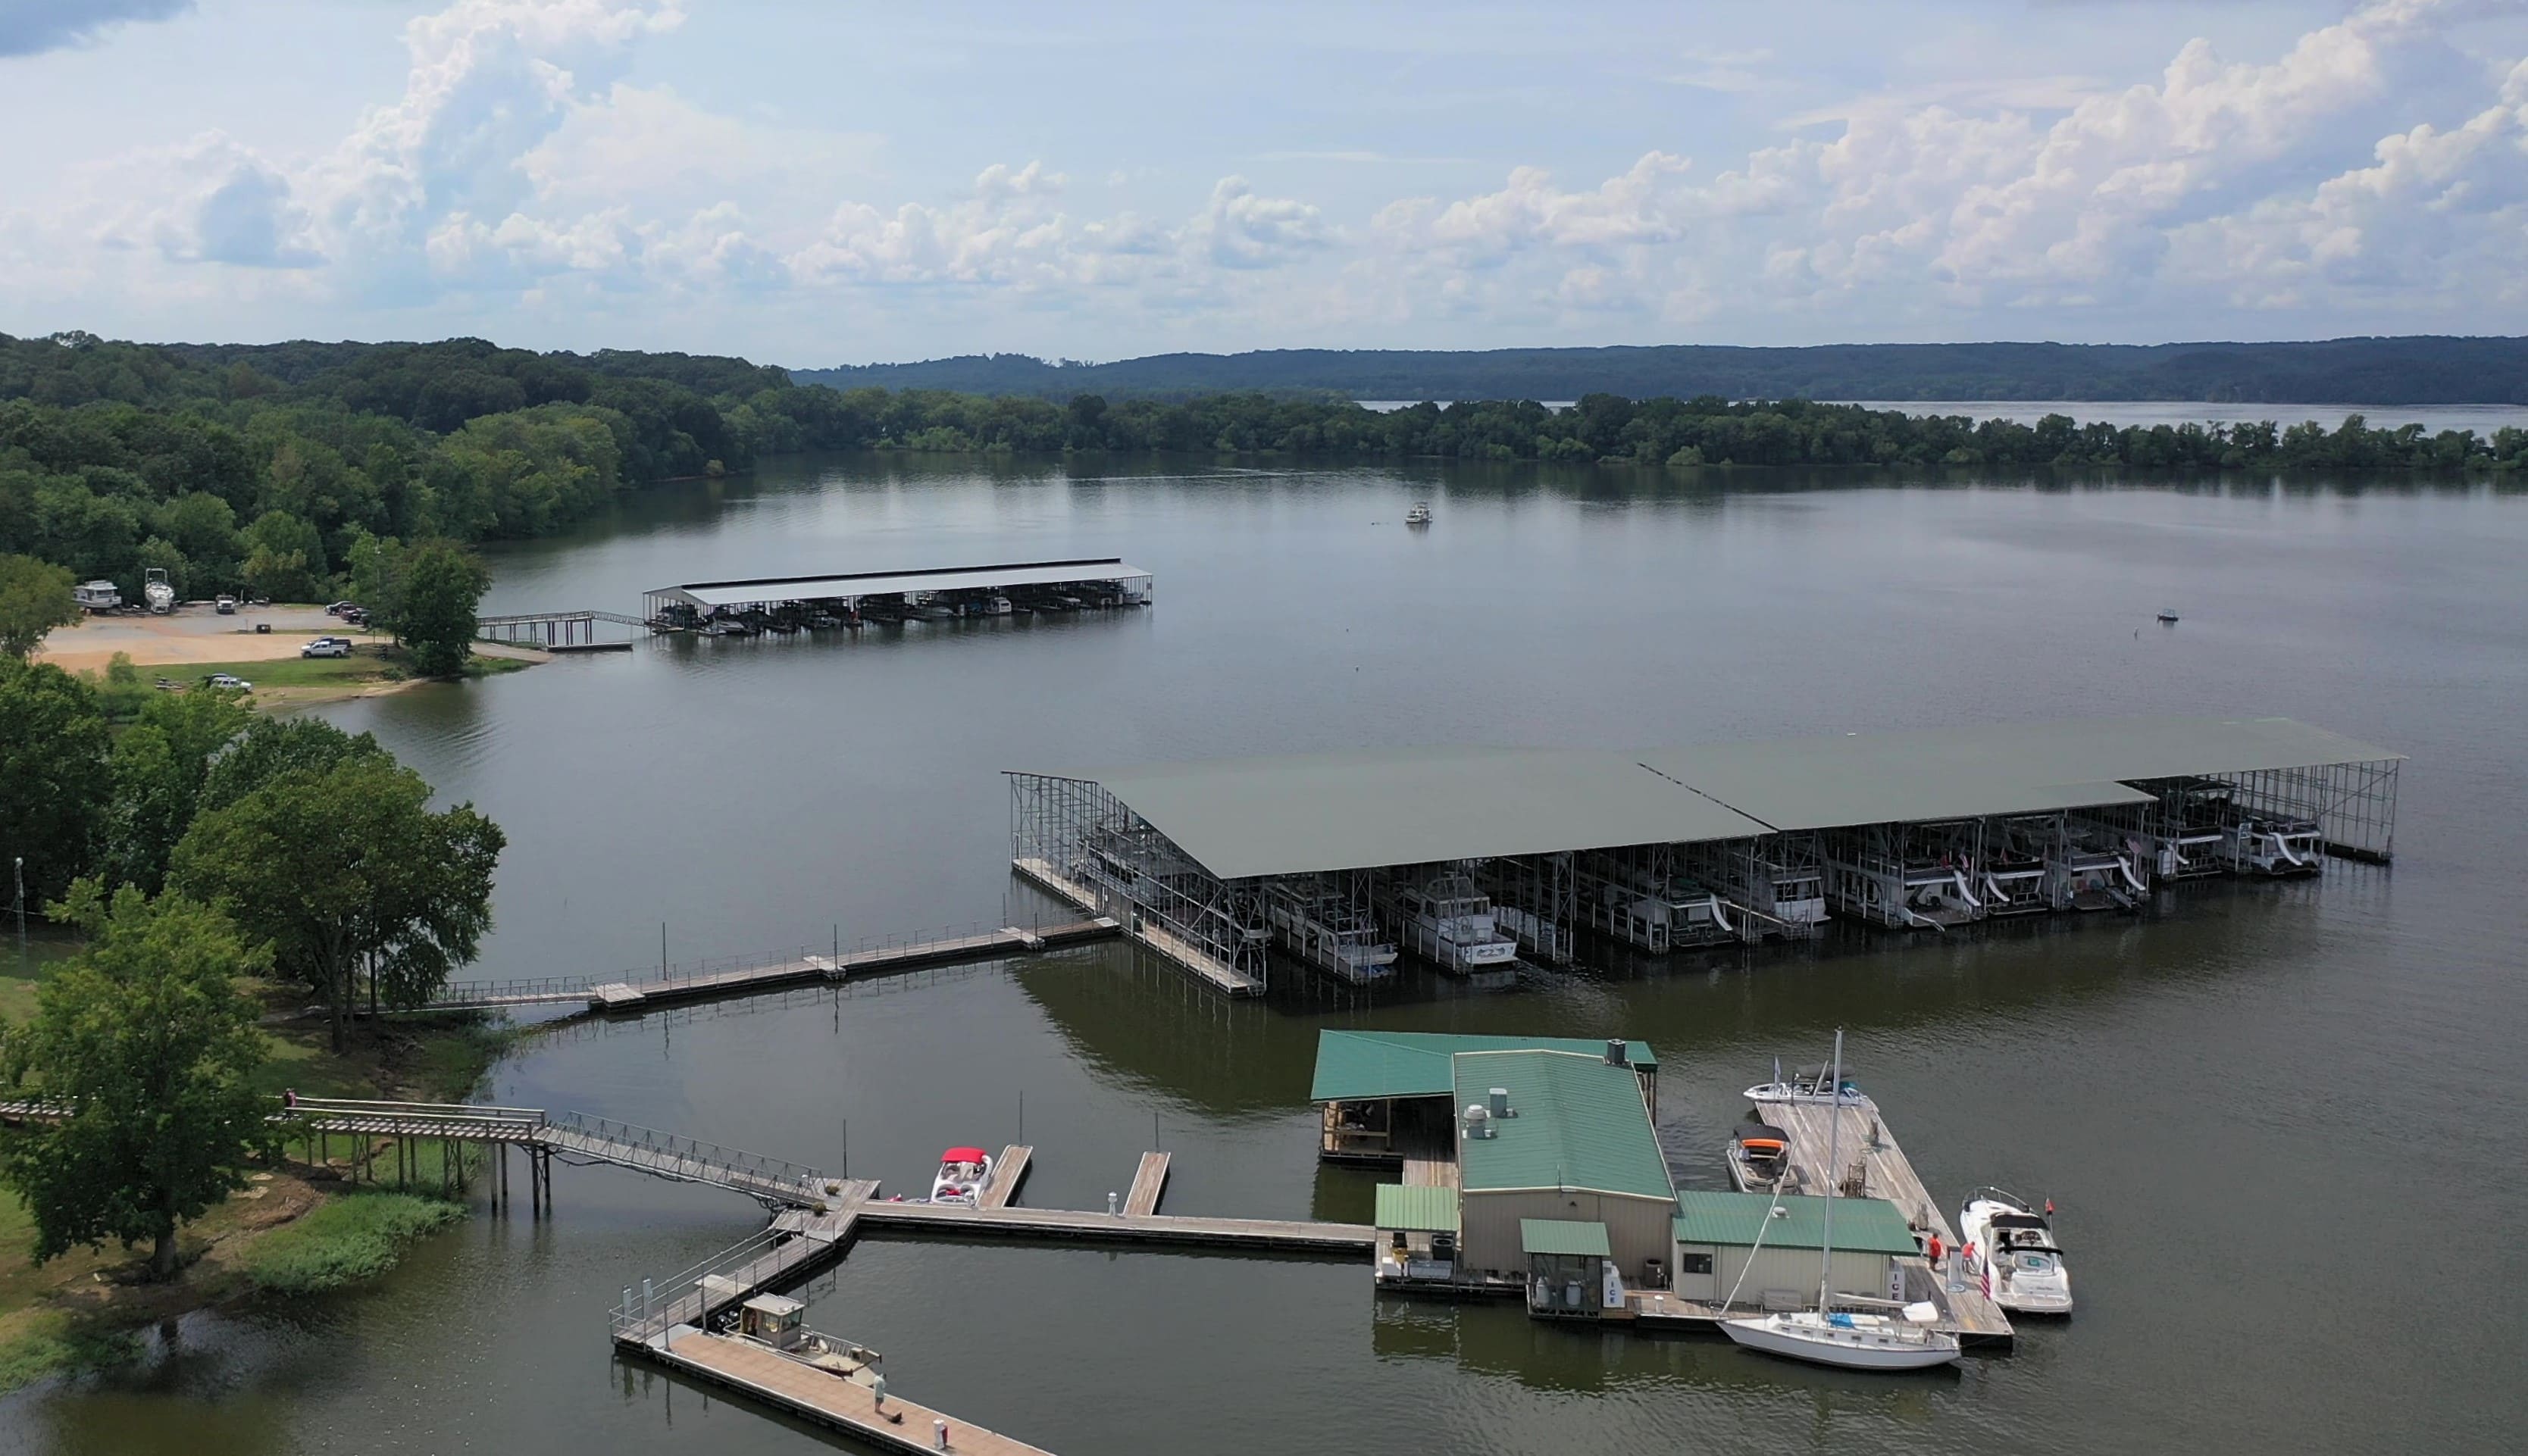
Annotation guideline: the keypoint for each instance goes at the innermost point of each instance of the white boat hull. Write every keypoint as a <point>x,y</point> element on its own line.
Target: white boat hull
<point>2021,1291</point>
<point>1864,1347</point>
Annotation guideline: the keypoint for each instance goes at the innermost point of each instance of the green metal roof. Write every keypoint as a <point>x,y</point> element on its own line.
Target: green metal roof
<point>1563,1237</point>
<point>1356,1065</point>
<point>1864,1225</point>
<point>1575,1123</point>
<point>1416,1210</point>
<point>1356,810</point>
<point>1363,809</point>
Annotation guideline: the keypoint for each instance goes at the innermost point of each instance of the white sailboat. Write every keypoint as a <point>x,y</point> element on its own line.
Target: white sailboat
<point>1826,1335</point>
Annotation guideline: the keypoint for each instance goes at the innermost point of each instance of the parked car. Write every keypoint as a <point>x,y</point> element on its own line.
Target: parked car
<point>342,608</point>
<point>357,616</point>
<point>227,680</point>
<point>325,646</point>
<point>226,606</point>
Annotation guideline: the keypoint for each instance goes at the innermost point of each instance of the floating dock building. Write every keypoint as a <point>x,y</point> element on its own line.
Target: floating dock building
<point>1449,854</point>
<point>1530,1168</point>
<point>789,604</point>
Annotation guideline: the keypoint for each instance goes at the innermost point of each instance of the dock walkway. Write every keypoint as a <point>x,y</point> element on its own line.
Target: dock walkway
<point>1150,1180</point>
<point>1875,1166</point>
<point>1287,1234</point>
<point>634,992</point>
<point>1211,969</point>
<point>1008,1172</point>
<point>837,1402</point>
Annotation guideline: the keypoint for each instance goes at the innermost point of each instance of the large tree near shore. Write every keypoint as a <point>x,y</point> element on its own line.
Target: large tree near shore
<point>55,777</point>
<point>34,599</point>
<point>147,1040</point>
<point>345,868</point>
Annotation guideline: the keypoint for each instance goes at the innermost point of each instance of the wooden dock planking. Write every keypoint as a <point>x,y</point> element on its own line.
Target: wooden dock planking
<point>831,1400</point>
<point>1885,1173</point>
<point>816,1238</point>
<point>1102,1228</point>
<point>1044,873</point>
<point>1008,1172</point>
<point>634,995</point>
<point>1220,973</point>
<point>1150,1180</point>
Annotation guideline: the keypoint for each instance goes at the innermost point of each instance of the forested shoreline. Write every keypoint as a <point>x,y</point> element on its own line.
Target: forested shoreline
<point>2421,369</point>
<point>265,469</point>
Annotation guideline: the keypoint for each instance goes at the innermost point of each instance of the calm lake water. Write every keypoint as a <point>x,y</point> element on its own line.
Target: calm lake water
<point>2284,1125</point>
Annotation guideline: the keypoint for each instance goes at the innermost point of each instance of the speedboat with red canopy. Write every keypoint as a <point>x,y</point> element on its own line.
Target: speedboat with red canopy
<point>963,1172</point>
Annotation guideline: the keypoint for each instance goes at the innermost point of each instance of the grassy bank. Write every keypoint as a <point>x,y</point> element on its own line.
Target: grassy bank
<point>297,1230</point>
<point>297,682</point>
<point>350,1238</point>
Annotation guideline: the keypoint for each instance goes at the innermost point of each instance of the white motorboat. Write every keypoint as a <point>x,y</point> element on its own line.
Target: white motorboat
<point>962,1173</point>
<point>1903,1342</point>
<point>1451,922</point>
<point>1816,1085</point>
<point>2016,1257</point>
<point>1419,516</point>
<point>1826,1335</point>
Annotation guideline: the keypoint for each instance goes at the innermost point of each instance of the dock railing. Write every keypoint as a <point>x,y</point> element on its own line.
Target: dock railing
<point>674,1156</point>
<point>648,1309</point>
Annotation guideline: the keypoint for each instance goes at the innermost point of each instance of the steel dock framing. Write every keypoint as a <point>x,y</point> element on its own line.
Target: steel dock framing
<point>1712,844</point>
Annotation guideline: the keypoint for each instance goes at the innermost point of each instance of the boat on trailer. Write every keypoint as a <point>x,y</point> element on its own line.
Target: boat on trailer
<point>963,1172</point>
<point>2016,1255</point>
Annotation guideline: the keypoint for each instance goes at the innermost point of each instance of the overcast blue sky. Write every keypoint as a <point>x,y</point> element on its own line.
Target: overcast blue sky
<point>814,182</point>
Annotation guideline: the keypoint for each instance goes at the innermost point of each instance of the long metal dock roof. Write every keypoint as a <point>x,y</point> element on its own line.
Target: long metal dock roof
<point>1362,809</point>
<point>1358,810</point>
<point>892,583</point>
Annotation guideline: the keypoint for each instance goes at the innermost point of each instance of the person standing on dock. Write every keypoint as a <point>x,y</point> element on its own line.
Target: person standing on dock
<point>877,1392</point>
<point>1935,1252</point>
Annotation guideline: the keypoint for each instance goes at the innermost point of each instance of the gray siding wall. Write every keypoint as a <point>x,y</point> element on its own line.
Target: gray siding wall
<point>1638,1229</point>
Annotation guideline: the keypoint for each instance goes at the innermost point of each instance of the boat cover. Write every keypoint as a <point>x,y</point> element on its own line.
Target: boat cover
<point>962,1155</point>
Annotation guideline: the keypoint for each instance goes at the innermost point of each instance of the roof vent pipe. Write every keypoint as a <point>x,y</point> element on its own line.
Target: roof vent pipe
<point>1615,1053</point>
<point>1500,1101</point>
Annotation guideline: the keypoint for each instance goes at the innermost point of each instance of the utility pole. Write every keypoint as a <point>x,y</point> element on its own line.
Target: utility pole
<point>17,868</point>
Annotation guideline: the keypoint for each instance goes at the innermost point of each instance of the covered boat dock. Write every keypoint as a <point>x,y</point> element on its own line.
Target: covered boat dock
<point>745,607</point>
<point>1663,849</point>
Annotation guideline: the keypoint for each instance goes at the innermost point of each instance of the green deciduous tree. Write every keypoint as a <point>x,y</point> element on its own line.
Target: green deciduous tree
<point>34,599</point>
<point>285,558</point>
<point>160,763</point>
<point>54,777</point>
<point>272,747</point>
<point>349,874</point>
<point>433,609</point>
<point>149,1040</point>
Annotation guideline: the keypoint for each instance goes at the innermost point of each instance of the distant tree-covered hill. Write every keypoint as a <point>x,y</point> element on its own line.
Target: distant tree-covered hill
<point>279,468</point>
<point>2417,370</point>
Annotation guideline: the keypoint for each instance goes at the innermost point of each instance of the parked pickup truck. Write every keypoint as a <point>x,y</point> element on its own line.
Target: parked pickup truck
<point>326,647</point>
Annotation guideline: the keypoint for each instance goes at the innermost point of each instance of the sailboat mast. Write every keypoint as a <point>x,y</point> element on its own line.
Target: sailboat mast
<point>1833,1165</point>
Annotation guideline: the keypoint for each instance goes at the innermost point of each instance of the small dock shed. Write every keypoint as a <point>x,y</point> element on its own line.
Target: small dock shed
<point>1720,1235</point>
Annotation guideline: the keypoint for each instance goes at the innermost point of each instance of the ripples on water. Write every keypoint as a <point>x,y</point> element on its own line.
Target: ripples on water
<point>2282,1123</point>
